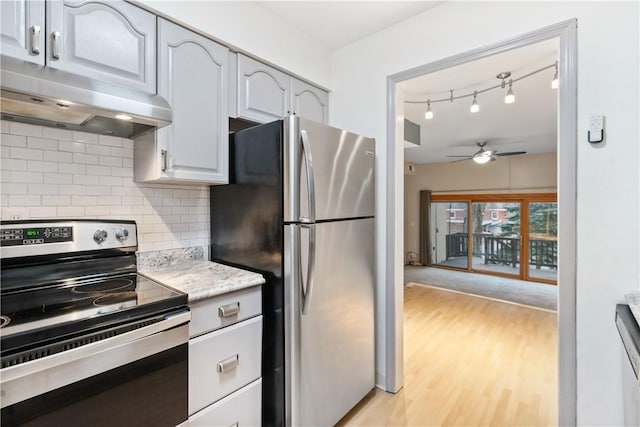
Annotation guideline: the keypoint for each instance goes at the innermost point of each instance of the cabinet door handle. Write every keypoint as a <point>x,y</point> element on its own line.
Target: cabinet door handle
<point>163,154</point>
<point>229,309</point>
<point>35,39</point>
<point>55,45</point>
<point>229,364</point>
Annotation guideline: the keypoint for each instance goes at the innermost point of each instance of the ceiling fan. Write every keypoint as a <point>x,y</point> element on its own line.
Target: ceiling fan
<point>484,156</point>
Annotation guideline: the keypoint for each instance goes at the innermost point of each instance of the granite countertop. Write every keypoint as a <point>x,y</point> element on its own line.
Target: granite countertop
<point>186,270</point>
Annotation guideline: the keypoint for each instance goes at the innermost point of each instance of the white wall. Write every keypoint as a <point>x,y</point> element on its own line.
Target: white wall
<point>57,173</point>
<point>253,29</point>
<point>608,58</point>
<point>533,173</point>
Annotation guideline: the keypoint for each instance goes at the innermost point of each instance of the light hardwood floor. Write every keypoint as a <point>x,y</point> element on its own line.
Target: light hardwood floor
<point>469,361</point>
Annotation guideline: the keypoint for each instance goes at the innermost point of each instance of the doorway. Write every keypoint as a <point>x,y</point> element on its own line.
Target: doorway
<point>566,34</point>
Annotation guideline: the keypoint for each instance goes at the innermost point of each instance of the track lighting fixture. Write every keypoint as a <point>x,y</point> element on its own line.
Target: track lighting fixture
<point>474,105</point>
<point>428,114</point>
<point>509,98</point>
<point>555,83</point>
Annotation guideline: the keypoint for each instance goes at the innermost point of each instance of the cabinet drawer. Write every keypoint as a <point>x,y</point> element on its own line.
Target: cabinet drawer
<point>223,361</point>
<point>242,408</point>
<point>215,313</point>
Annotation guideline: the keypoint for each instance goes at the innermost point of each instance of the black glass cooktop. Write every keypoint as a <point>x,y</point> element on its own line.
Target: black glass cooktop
<point>34,316</point>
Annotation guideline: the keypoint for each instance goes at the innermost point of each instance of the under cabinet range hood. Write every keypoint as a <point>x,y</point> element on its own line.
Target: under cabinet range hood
<point>49,97</point>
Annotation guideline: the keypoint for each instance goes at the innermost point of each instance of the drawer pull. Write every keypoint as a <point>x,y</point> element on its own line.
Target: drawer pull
<point>229,364</point>
<point>229,309</point>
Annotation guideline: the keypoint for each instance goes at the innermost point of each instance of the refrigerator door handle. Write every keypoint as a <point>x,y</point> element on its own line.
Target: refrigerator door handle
<point>311,188</point>
<point>307,290</point>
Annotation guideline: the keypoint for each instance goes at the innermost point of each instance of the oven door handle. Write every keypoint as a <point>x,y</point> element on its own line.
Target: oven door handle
<point>29,379</point>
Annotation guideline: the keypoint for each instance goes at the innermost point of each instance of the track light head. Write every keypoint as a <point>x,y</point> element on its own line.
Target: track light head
<point>428,114</point>
<point>510,98</point>
<point>475,107</point>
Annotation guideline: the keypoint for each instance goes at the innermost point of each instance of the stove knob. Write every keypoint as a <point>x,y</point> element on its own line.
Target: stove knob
<point>100,236</point>
<point>122,234</point>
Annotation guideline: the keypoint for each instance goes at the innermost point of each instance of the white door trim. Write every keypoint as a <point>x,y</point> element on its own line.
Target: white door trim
<point>566,32</point>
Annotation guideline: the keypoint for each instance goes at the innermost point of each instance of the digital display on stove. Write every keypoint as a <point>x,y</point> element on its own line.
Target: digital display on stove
<point>35,236</point>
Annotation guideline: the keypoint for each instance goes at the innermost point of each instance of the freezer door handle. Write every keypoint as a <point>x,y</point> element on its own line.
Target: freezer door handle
<point>311,188</point>
<point>307,290</point>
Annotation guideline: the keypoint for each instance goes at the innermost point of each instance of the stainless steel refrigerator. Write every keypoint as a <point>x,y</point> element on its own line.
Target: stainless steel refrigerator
<point>300,210</point>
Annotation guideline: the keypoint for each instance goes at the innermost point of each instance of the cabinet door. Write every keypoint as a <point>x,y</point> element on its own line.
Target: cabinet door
<point>22,30</point>
<point>192,78</point>
<point>112,41</point>
<point>309,101</point>
<point>263,92</point>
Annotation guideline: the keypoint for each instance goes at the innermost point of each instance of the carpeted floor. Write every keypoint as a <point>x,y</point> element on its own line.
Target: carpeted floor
<point>528,293</point>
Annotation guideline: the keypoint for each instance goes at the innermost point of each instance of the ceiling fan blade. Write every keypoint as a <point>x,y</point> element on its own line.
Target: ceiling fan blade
<point>461,156</point>
<point>460,160</point>
<point>511,153</point>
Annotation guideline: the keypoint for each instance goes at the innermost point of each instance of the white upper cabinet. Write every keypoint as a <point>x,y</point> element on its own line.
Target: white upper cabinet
<point>22,30</point>
<point>262,92</point>
<point>111,41</point>
<point>192,78</point>
<point>309,102</point>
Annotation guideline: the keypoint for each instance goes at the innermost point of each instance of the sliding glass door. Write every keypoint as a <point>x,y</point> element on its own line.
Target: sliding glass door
<point>449,242</point>
<point>496,237</point>
<point>511,235</point>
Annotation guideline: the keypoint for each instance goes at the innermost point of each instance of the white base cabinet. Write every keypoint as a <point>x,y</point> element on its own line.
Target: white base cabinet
<point>225,360</point>
<point>240,409</point>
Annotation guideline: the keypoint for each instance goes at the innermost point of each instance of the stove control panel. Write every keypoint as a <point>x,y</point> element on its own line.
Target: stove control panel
<point>35,235</point>
<point>43,237</point>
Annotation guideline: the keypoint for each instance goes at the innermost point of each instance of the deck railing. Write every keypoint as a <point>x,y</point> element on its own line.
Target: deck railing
<point>503,250</point>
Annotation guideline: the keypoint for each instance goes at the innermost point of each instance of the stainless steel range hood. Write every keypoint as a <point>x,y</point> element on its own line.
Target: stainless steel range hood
<point>48,97</point>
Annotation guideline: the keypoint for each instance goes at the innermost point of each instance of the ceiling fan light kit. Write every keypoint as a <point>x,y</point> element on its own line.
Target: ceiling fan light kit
<point>509,98</point>
<point>483,156</point>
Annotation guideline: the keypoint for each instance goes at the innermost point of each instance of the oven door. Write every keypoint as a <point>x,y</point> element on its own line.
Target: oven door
<point>136,378</point>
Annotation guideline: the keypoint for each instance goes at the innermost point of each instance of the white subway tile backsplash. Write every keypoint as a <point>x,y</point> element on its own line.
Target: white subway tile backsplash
<point>73,147</point>
<point>70,211</point>
<point>38,166</point>
<point>25,153</point>
<point>43,189</point>
<point>56,201</point>
<point>23,200</point>
<point>89,159</point>
<point>24,177</point>
<point>14,188</point>
<point>111,161</point>
<point>41,143</point>
<point>55,173</point>
<point>72,189</point>
<point>9,140</point>
<point>58,178</point>
<point>42,212</point>
<point>58,156</point>
<point>24,129</point>
<point>88,180</point>
<point>9,164</point>
<point>111,141</point>
<point>114,181</point>
<point>55,133</point>
<point>90,138</point>
<point>100,150</point>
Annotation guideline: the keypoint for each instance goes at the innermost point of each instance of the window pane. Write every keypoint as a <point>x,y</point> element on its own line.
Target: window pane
<point>449,234</point>
<point>496,237</point>
<point>543,240</point>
